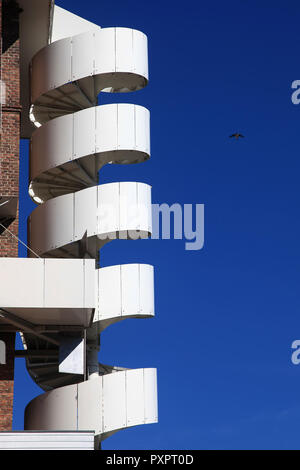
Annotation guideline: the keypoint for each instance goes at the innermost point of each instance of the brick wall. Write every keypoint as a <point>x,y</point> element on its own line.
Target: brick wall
<point>9,175</point>
<point>7,383</point>
<point>10,117</point>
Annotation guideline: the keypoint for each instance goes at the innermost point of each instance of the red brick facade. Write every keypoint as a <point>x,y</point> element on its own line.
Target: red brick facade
<point>9,176</point>
<point>7,383</point>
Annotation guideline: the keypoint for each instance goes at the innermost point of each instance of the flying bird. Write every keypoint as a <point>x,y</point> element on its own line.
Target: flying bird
<point>236,135</point>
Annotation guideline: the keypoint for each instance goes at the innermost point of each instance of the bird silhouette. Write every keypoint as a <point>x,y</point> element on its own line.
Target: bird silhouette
<point>236,135</point>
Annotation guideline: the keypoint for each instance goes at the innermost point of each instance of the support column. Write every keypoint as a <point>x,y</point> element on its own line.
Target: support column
<point>92,349</point>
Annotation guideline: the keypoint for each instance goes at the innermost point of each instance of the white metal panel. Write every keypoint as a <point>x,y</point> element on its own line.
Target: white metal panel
<point>150,390</point>
<point>60,221</point>
<point>108,208</point>
<point>129,216</point>
<point>109,292</point>
<point>85,212</point>
<point>130,289</point>
<point>51,68</point>
<point>105,55</point>
<point>142,129</point>
<point>107,127</point>
<point>53,411</point>
<point>58,146</point>
<point>140,53</point>
<point>83,53</point>
<point>39,76</point>
<point>89,283</point>
<point>90,405</point>
<point>114,401</point>
<point>144,205</point>
<point>37,148</point>
<point>146,275</point>
<point>135,396</point>
<point>58,218</point>
<point>124,52</point>
<point>84,132</point>
<point>18,278</point>
<point>58,64</point>
<point>65,24</point>
<point>126,126</point>
<point>67,290</point>
<point>51,145</point>
<point>124,291</point>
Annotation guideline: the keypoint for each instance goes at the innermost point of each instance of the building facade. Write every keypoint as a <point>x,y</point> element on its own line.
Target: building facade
<point>60,298</point>
<point>9,181</point>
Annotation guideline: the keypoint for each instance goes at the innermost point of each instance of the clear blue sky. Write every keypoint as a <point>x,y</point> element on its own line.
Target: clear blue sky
<point>226,315</point>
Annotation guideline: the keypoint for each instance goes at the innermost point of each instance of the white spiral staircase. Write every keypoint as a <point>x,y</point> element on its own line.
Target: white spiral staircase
<point>74,138</point>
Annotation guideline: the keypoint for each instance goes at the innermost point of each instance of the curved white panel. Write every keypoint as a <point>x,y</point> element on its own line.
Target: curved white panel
<point>104,405</point>
<point>51,68</point>
<point>109,211</point>
<point>124,291</point>
<point>53,411</point>
<point>114,133</point>
<point>110,59</point>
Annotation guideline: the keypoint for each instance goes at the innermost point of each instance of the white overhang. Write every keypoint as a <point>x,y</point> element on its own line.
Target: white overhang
<point>65,24</point>
<point>48,291</point>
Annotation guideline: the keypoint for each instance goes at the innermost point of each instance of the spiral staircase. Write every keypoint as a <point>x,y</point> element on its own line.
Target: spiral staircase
<point>75,217</point>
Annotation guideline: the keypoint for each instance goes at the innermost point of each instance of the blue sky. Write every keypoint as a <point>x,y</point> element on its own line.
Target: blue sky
<point>225,315</point>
